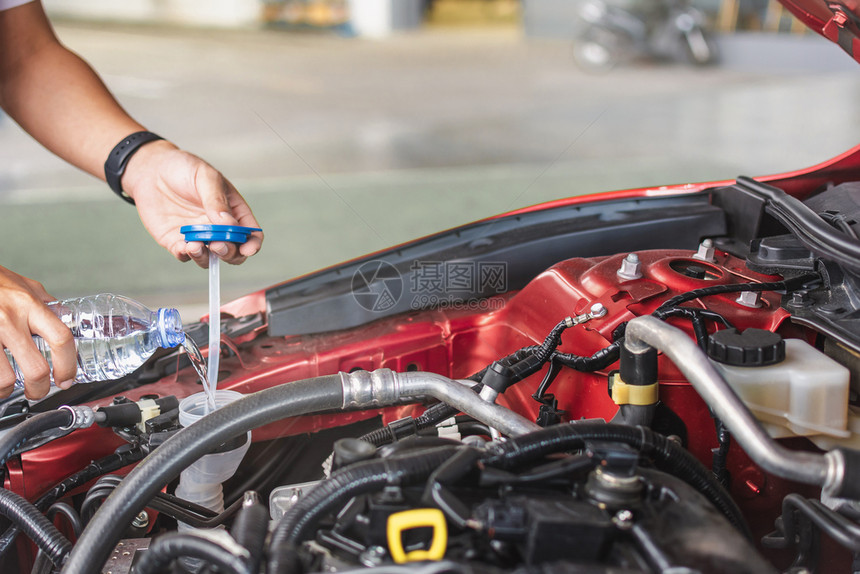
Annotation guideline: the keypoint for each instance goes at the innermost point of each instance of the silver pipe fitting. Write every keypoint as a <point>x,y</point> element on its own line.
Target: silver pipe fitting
<point>384,387</point>
<point>810,468</point>
<point>82,417</point>
<point>464,399</point>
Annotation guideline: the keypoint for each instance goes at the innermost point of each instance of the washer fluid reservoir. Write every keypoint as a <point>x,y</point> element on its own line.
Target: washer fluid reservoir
<point>790,386</point>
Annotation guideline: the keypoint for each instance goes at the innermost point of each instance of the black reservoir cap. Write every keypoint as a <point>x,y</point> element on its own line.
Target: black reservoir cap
<point>751,348</point>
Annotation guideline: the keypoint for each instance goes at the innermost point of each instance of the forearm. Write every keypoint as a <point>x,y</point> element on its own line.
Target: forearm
<point>60,101</point>
<point>56,97</point>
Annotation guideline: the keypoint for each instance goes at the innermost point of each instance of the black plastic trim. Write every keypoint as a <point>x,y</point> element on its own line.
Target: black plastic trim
<point>526,244</point>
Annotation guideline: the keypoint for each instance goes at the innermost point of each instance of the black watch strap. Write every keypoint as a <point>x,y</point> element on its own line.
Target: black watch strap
<point>118,159</point>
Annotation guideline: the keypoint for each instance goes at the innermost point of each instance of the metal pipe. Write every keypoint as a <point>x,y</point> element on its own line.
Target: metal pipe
<point>466,400</point>
<point>384,387</point>
<point>810,468</point>
<point>489,394</point>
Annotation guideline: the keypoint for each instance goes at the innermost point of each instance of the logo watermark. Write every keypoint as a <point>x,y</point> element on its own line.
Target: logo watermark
<point>377,286</point>
<point>464,285</point>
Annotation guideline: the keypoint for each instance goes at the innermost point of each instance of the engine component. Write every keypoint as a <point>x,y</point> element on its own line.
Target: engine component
<point>752,348</point>
<point>834,471</point>
<point>491,473</point>
<point>599,508</point>
<point>804,394</point>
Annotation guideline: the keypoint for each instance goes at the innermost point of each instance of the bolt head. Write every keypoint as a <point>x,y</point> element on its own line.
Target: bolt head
<point>751,299</point>
<point>598,310</point>
<point>631,268</point>
<point>623,519</point>
<point>141,520</point>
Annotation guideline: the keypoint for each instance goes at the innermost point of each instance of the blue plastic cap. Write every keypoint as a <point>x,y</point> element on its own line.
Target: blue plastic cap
<point>170,328</point>
<point>207,233</point>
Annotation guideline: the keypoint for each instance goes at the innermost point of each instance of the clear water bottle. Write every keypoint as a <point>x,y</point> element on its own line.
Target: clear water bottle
<point>114,335</point>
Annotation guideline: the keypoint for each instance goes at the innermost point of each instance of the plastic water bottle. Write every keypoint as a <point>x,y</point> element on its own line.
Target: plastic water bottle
<point>114,335</point>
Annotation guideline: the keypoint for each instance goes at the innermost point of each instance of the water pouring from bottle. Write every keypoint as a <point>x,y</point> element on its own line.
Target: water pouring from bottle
<point>199,364</point>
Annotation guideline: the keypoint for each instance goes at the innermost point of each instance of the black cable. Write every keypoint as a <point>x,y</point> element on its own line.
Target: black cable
<point>18,435</point>
<point>113,462</point>
<point>551,374</point>
<point>569,467</point>
<point>838,221</point>
<point>786,285</point>
<point>599,360</point>
<point>551,342</point>
<point>721,453</point>
<point>122,457</point>
<point>168,547</point>
<point>35,525</point>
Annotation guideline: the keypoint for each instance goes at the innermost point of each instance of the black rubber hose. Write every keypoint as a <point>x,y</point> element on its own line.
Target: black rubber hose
<point>122,457</point>
<point>668,455</point>
<point>250,529</point>
<point>356,479</point>
<point>22,432</point>
<point>812,231</point>
<point>837,527</point>
<point>197,516</point>
<point>69,513</point>
<point>186,446</point>
<point>176,508</point>
<point>173,545</point>
<point>35,525</point>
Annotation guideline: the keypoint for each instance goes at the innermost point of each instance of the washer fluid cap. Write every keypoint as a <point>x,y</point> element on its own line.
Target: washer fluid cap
<point>207,233</point>
<point>752,348</point>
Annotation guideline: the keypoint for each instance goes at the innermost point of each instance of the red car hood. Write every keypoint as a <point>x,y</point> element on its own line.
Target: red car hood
<point>839,22</point>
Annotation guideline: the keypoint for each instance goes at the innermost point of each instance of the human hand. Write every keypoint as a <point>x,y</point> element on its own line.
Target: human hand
<point>23,313</point>
<point>172,188</point>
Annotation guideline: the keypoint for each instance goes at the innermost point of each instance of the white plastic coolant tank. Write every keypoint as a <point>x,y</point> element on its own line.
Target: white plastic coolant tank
<point>806,394</point>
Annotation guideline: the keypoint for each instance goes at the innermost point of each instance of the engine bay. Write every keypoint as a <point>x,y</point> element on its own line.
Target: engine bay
<point>644,384</point>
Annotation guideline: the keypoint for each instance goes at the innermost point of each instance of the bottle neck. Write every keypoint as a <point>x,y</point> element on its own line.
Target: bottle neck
<point>168,327</point>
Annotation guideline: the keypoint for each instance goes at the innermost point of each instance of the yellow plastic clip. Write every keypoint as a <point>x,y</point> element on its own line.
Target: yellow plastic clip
<point>417,518</point>
<point>624,394</point>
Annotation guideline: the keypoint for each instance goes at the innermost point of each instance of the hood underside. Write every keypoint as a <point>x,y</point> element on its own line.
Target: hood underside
<point>839,22</point>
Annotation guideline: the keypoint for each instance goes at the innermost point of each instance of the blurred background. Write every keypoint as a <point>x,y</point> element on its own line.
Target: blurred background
<point>351,126</point>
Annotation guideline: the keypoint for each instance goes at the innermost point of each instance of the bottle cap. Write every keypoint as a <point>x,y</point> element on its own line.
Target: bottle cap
<point>750,348</point>
<point>207,233</point>
<point>170,328</point>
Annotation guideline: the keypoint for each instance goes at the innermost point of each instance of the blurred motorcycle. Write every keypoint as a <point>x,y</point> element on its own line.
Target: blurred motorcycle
<point>666,29</point>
